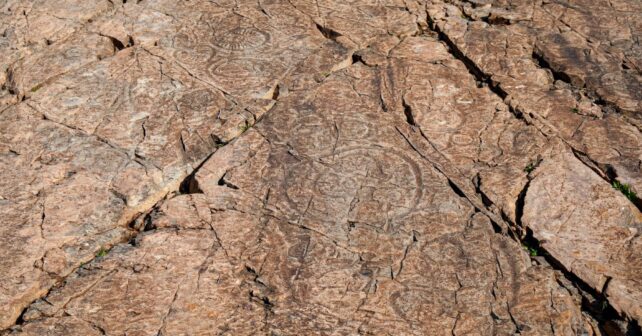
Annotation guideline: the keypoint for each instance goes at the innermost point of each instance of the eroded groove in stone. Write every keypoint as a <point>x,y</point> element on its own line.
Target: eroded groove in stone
<point>279,263</point>
<point>288,168</point>
<point>629,211</point>
<point>111,137</point>
<point>605,170</point>
<point>564,108</point>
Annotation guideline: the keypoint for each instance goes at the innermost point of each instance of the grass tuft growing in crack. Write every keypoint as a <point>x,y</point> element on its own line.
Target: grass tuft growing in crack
<point>626,190</point>
<point>36,88</point>
<point>102,252</point>
<point>532,165</point>
<point>246,126</point>
<point>532,251</point>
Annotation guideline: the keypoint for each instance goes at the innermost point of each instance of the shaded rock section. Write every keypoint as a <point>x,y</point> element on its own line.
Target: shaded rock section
<point>588,227</point>
<point>498,159</point>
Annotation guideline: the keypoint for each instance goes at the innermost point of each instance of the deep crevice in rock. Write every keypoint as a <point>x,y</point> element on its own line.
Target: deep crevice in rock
<point>608,174</point>
<point>356,58</point>
<point>485,200</point>
<point>407,110</point>
<point>223,182</point>
<point>328,32</point>
<point>520,203</point>
<point>482,77</point>
<point>276,92</point>
<point>527,239</point>
<point>542,63</point>
<point>189,185</point>
<point>456,189</point>
<point>117,44</point>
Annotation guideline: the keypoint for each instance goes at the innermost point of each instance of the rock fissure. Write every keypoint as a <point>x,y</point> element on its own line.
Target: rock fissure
<point>519,114</point>
<point>290,168</point>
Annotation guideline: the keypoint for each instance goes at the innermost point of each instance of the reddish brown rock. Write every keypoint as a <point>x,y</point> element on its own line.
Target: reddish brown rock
<point>589,227</point>
<point>292,235</point>
<point>288,168</point>
<point>111,119</point>
<point>560,72</point>
<point>477,141</point>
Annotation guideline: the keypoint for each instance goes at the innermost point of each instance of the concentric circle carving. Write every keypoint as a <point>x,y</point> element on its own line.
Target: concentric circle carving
<point>240,38</point>
<point>372,185</point>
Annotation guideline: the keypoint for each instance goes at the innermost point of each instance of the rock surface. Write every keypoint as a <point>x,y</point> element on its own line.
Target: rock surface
<point>320,167</point>
<point>565,66</point>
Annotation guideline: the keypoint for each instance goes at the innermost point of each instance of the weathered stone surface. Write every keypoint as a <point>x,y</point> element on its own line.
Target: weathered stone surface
<point>57,204</point>
<point>560,70</point>
<point>475,139</point>
<point>294,235</point>
<point>319,167</point>
<point>113,117</point>
<point>569,210</point>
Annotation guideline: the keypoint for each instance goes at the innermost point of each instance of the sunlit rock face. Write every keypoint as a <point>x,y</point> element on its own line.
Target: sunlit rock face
<point>332,167</point>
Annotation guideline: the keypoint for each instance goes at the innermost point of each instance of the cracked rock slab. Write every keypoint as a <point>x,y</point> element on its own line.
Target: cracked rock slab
<point>589,228</point>
<point>319,167</point>
<point>291,235</point>
<point>556,67</point>
<point>107,114</point>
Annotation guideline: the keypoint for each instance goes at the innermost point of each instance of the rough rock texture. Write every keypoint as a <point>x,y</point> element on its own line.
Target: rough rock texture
<point>567,208</point>
<point>107,127</point>
<point>320,167</point>
<point>567,67</point>
<point>295,235</point>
